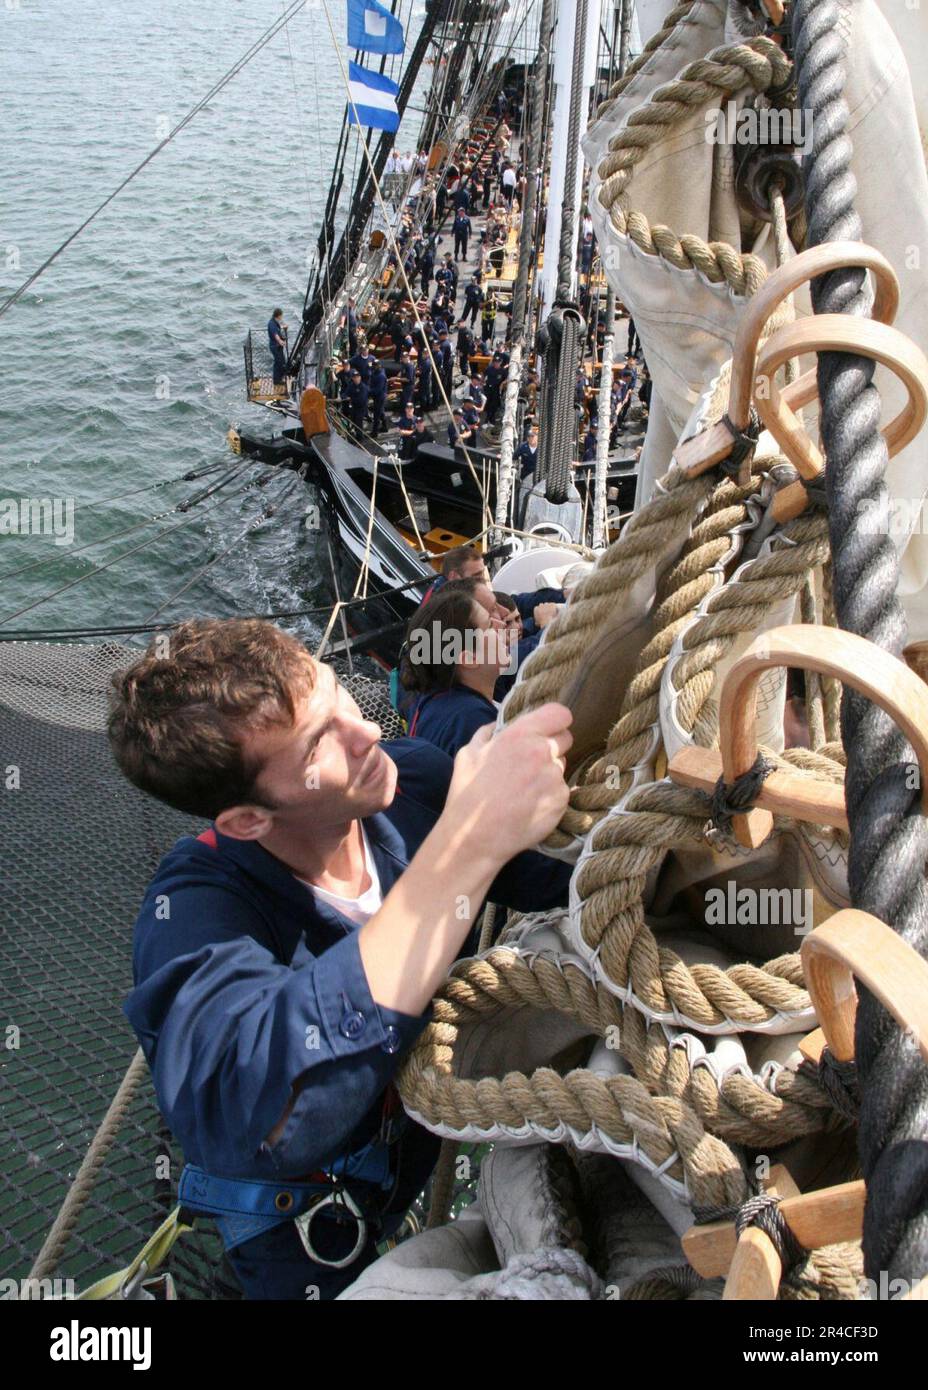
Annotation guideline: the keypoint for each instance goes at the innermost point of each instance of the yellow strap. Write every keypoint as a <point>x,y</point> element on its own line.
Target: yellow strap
<point>152,1254</point>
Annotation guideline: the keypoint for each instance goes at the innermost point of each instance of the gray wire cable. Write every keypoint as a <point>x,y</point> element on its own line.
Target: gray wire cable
<point>889,836</point>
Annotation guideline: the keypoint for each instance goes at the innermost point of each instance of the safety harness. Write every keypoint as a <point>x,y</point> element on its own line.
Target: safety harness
<point>349,1189</point>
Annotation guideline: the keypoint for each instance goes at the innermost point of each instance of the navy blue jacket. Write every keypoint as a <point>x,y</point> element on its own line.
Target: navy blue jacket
<point>244,981</point>
<point>378,384</point>
<point>527,457</point>
<point>450,718</point>
<point>526,603</point>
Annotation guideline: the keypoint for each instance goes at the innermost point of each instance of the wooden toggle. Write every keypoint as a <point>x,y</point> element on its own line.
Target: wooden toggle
<point>854,945</point>
<point>752,1264</point>
<point>850,945</point>
<point>852,660</point>
<point>710,446</point>
<point>832,333</point>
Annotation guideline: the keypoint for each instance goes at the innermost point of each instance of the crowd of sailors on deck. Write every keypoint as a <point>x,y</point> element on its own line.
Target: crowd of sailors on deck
<point>439,308</point>
<point>449,352</point>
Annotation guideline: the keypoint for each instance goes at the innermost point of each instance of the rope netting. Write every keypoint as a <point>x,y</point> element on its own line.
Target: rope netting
<point>79,847</point>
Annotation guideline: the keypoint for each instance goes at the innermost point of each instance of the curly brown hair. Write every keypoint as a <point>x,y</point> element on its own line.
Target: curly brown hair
<point>178,715</point>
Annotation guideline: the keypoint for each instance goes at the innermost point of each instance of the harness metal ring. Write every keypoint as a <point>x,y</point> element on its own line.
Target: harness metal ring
<point>304,1223</point>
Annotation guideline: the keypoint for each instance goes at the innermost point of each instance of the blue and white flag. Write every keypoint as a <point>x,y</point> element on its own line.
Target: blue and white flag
<point>373,97</point>
<point>372,28</point>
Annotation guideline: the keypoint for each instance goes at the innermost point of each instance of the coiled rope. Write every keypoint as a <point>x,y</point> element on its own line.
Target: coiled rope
<point>614,935</point>
<point>889,836</point>
<point>759,64</point>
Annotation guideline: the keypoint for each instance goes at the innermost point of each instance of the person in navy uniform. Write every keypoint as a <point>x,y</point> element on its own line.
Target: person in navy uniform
<point>627,381</point>
<point>409,437</point>
<point>475,392</point>
<point>471,417</point>
<point>458,432</point>
<point>420,435</point>
<point>277,341</point>
<point>349,320</point>
<point>525,633</point>
<point>378,398</point>
<point>406,426</point>
<point>407,374</point>
<point>527,454</point>
<point>426,389</point>
<point>493,382</point>
<point>461,199</point>
<point>464,347</point>
<point>444,360</point>
<point>454,698</point>
<point>358,399</point>
<point>280,974</point>
<point>427,266</point>
<point>451,277</point>
<point>461,228</point>
<point>473,299</point>
<point>361,362</point>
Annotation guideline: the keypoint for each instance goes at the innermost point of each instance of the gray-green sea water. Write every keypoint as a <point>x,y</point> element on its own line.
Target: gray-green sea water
<point>122,365</point>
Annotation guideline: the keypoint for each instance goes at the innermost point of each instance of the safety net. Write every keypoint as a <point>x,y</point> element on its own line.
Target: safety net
<point>79,845</point>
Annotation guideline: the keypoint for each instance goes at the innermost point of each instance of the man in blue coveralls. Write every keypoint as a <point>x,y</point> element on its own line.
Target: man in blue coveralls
<point>277,342</point>
<point>285,958</point>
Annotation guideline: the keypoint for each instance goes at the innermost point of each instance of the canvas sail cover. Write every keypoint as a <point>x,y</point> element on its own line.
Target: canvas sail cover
<point>685,181</point>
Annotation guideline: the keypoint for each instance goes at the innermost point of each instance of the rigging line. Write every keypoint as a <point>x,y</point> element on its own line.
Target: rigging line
<point>294,8</point>
<point>97,569</point>
<point>326,292</point>
<point>299,121</point>
<point>266,510</point>
<point>399,259</point>
<point>147,487</point>
<point>38,634</point>
<point>234,471</point>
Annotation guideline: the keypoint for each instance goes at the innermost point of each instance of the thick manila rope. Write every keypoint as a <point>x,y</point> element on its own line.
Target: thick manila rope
<point>740,1108</point>
<point>889,835</point>
<point>652,532</point>
<point>694,575</point>
<point>609,928</point>
<point>760,64</point>
<point>678,14</point>
<point>616,1112</point>
<point>729,612</point>
<point>682,590</point>
<point>741,606</point>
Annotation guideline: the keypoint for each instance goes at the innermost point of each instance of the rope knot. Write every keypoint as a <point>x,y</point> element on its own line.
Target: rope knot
<point>763,1212</point>
<point>816,490</point>
<point>839,1082</point>
<point>744,443</point>
<point>734,798</point>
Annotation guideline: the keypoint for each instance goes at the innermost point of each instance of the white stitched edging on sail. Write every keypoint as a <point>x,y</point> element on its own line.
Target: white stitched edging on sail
<point>590,1141</point>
